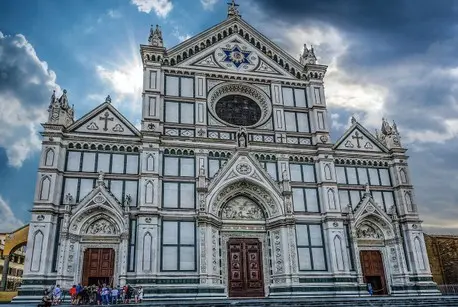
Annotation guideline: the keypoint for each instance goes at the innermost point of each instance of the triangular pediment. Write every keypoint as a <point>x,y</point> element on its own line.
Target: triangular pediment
<point>357,138</point>
<point>243,166</point>
<point>234,45</point>
<point>234,54</point>
<point>105,119</point>
<point>99,199</point>
<point>367,206</point>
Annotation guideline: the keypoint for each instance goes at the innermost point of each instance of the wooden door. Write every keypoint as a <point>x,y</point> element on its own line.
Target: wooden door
<point>98,266</point>
<point>245,268</point>
<point>373,271</point>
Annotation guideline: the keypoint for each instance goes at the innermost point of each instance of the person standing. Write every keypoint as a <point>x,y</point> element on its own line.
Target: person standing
<point>114,295</point>
<point>72,292</point>
<point>140,295</point>
<point>105,292</point>
<point>57,293</point>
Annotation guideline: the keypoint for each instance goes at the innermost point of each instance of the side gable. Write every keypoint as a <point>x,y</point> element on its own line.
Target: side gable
<point>105,119</point>
<point>231,28</point>
<point>357,138</point>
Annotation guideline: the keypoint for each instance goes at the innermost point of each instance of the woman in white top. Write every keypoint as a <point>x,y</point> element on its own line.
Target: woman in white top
<point>140,294</point>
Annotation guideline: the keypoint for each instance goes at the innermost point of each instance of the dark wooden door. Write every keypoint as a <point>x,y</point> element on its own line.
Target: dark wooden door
<point>245,268</point>
<point>373,271</point>
<point>98,266</point>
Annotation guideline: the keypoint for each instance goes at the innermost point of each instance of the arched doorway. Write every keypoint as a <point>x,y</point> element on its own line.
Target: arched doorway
<point>373,271</point>
<point>98,266</point>
<point>245,267</point>
<point>243,247</point>
<point>371,243</point>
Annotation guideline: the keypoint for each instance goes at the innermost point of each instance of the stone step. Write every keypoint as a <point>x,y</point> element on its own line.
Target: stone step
<point>430,301</point>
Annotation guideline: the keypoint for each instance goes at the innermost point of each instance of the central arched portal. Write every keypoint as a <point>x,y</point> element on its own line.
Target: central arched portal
<point>98,266</point>
<point>245,267</point>
<point>243,247</point>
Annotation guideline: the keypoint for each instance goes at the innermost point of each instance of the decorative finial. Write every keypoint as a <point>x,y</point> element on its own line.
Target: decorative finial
<point>63,100</point>
<point>386,128</point>
<point>155,36</point>
<point>232,9</point>
<point>108,99</point>
<point>308,56</point>
<point>53,99</point>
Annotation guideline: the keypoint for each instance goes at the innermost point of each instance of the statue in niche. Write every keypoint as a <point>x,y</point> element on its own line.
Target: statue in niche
<point>242,138</point>
<point>242,208</point>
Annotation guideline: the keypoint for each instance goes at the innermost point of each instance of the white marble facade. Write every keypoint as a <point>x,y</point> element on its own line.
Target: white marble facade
<point>168,198</point>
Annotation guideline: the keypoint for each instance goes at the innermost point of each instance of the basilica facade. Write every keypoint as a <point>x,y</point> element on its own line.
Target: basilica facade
<point>231,187</point>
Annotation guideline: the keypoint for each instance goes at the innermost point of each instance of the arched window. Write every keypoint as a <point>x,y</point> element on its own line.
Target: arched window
<point>37,249</point>
<point>49,157</point>
<point>150,163</point>
<point>45,188</point>
<point>403,175</point>
<point>331,199</point>
<point>408,198</point>
<point>149,192</point>
<point>419,254</point>
<point>339,252</point>
<point>327,172</point>
<point>147,252</point>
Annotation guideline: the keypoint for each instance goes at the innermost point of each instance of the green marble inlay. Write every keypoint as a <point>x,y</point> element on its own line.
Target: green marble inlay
<point>327,280</point>
<point>39,282</point>
<point>154,281</point>
<point>314,289</point>
<point>421,279</point>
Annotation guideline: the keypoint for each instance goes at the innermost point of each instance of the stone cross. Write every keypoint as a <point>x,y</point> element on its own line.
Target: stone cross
<point>106,118</point>
<point>357,137</point>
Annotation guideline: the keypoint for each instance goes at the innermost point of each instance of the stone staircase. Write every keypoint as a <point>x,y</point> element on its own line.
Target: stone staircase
<point>388,301</point>
<point>443,301</point>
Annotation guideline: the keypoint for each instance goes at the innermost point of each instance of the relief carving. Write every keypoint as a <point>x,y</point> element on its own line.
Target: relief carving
<point>249,188</point>
<point>368,232</point>
<point>242,208</point>
<point>101,227</point>
<point>278,255</point>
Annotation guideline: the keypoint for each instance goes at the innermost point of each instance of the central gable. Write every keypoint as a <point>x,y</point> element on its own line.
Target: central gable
<point>235,45</point>
<point>234,54</point>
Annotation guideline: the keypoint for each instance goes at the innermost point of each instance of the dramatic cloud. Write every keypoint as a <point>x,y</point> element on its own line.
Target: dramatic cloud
<point>9,221</point>
<point>26,85</point>
<point>161,7</point>
<point>180,36</point>
<point>124,82</point>
<point>208,4</point>
<point>400,64</point>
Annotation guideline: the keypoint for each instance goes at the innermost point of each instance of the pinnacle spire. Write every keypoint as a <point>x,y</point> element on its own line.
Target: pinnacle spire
<point>308,56</point>
<point>155,36</point>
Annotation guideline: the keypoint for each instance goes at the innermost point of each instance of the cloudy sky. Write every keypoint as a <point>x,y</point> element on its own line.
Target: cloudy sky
<point>392,58</point>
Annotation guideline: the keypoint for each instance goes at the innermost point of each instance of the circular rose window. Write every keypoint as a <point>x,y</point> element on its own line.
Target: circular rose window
<point>238,110</point>
<point>239,104</point>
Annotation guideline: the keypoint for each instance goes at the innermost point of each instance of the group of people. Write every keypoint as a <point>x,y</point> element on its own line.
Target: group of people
<point>94,295</point>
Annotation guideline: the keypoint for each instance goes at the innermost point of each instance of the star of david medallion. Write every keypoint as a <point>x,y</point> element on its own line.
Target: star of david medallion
<point>236,56</point>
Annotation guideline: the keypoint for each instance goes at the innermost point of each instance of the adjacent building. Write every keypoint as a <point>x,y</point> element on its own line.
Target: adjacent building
<point>231,186</point>
<point>15,267</point>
